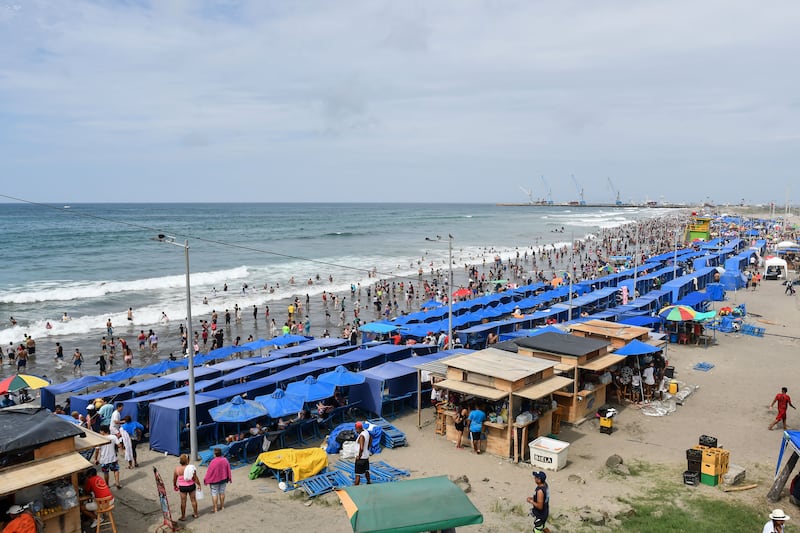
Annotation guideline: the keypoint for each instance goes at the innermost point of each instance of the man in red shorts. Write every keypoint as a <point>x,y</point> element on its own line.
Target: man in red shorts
<point>783,400</point>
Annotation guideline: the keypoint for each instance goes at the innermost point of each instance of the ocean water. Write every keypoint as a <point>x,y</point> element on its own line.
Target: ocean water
<point>94,261</point>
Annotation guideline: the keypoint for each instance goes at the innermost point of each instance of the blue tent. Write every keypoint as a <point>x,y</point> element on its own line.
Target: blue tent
<point>363,358</point>
<point>637,347</point>
<point>137,407</point>
<point>199,372</point>
<point>280,404</point>
<point>169,419</point>
<point>644,321</point>
<point>378,327</point>
<point>342,377</point>
<point>431,304</point>
<point>237,410</point>
<point>48,394</point>
<point>234,364</point>
<point>283,340</point>
<point>112,395</point>
<point>792,438</point>
<point>150,385</point>
<point>249,389</point>
<point>398,379</point>
<point>259,370</point>
<point>310,389</point>
<point>164,366</point>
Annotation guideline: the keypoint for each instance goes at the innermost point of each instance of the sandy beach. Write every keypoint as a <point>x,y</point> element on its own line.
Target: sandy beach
<point>731,402</point>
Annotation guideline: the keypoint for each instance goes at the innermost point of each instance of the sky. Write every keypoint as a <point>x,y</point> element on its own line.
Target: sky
<point>404,101</point>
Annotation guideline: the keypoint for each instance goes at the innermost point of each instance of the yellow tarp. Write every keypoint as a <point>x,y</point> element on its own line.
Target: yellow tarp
<point>304,463</point>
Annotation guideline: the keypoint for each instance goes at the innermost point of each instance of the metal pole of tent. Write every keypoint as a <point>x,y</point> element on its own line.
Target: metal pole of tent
<point>419,397</point>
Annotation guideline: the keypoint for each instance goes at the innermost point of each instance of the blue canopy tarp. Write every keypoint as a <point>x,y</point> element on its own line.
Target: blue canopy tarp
<point>716,292</point>
<point>396,378</point>
<point>169,417</point>
<point>48,394</point>
<point>213,355</point>
<point>644,321</point>
<point>283,340</point>
<point>250,389</point>
<point>133,407</point>
<point>233,364</point>
<point>310,389</point>
<point>112,395</point>
<point>237,410</point>
<point>260,369</point>
<point>363,358</point>
<point>378,327</point>
<point>280,404</point>
<point>149,385</point>
<point>341,377</point>
<point>792,438</point>
<point>293,373</point>
<point>637,347</point>
<point>394,351</point>
<point>199,372</point>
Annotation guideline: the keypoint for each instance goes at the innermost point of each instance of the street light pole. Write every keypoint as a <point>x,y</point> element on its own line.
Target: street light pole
<point>450,296</point>
<point>190,348</point>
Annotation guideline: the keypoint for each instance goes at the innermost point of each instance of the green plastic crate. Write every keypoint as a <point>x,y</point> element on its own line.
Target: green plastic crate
<point>708,479</point>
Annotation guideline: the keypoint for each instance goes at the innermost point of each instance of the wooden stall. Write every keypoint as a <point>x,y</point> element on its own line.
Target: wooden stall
<point>584,361</point>
<point>36,457</point>
<point>618,335</point>
<point>504,382</point>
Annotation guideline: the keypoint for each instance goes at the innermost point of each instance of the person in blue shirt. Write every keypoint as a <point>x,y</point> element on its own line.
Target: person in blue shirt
<point>105,411</point>
<point>476,419</point>
<point>136,431</point>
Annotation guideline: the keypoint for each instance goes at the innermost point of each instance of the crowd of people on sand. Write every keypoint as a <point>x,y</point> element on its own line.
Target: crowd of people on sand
<point>383,298</point>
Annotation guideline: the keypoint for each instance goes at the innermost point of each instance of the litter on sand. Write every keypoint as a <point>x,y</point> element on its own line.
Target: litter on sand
<point>703,366</point>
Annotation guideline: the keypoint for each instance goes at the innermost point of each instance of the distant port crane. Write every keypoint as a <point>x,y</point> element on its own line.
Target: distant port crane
<point>615,191</point>
<point>581,201</point>
<point>549,200</point>
<point>528,193</point>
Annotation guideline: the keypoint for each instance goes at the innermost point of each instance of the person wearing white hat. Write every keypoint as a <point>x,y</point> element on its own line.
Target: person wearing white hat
<point>20,519</point>
<point>777,520</point>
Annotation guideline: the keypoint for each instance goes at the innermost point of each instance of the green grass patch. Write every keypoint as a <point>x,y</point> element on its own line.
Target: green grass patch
<point>671,510</point>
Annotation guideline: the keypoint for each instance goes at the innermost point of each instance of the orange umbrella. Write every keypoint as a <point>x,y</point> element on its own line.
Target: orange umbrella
<point>460,293</point>
<point>556,281</point>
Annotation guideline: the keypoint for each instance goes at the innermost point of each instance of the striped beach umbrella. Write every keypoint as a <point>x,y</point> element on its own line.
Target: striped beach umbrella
<point>22,381</point>
<point>678,313</point>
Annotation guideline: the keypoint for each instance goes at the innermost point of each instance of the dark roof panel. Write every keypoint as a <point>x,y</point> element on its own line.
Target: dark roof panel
<point>562,344</point>
<point>23,427</point>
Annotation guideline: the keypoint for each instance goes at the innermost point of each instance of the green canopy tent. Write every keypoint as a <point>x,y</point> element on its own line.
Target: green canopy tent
<point>411,506</point>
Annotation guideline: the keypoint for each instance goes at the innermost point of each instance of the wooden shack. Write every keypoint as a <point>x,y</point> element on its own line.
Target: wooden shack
<point>37,449</point>
<point>617,335</point>
<point>584,361</point>
<point>504,381</point>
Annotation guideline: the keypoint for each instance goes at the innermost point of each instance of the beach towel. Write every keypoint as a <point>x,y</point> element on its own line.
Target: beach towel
<point>219,470</point>
<point>189,472</point>
<point>126,442</point>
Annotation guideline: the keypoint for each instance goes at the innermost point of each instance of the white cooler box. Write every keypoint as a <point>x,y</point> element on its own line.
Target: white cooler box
<point>548,454</point>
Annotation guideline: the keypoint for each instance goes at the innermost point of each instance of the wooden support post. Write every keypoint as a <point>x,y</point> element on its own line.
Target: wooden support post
<point>774,493</point>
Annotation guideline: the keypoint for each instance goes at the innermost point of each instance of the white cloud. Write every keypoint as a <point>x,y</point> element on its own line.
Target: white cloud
<point>461,101</point>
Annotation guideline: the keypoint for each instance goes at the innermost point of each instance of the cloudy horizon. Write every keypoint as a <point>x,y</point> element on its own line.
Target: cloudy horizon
<point>115,101</point>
